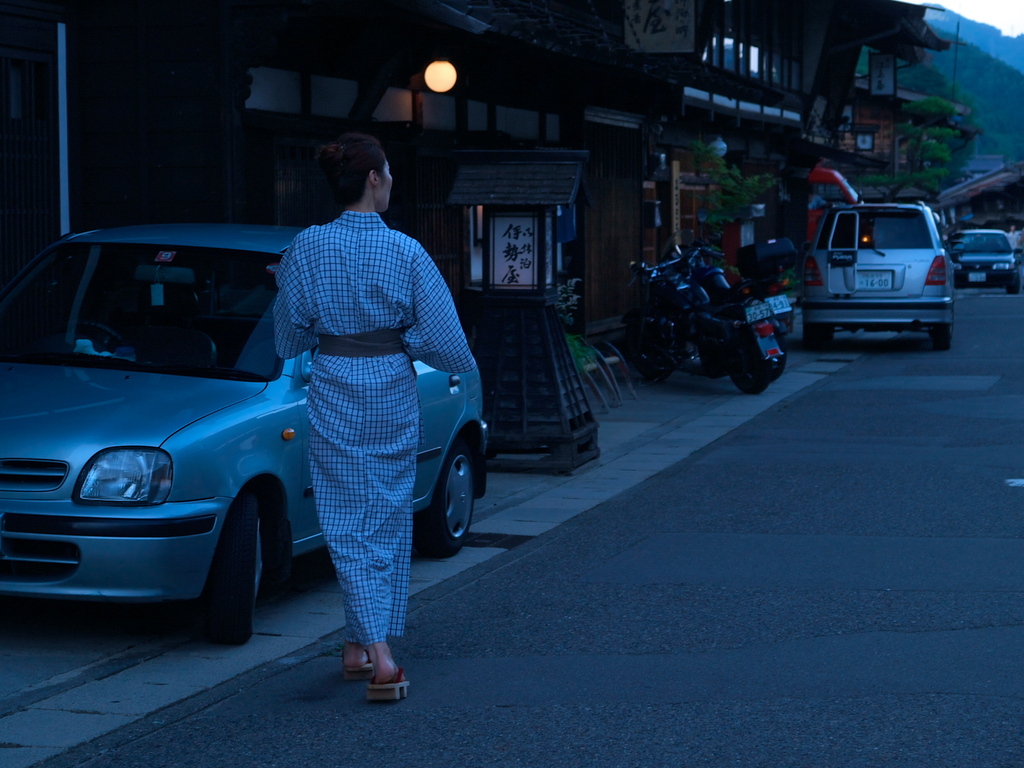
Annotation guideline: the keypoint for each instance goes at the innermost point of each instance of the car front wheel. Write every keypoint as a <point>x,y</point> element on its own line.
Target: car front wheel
<point>440,529</point>
<point>235,574</point>
<point>1014,286</point>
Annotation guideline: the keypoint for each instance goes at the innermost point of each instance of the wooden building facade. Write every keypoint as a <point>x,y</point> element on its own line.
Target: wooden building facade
<point>169,111</point>
<point>993,200</point>
<point>871,136</point>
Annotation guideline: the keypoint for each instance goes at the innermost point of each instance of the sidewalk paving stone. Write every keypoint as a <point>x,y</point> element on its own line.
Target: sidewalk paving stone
<point>514,527</point>
<point>55,728</point>
<point>23,757</point>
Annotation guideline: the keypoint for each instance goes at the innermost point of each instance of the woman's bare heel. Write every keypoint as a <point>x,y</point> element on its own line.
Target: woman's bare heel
<point>364,672</point>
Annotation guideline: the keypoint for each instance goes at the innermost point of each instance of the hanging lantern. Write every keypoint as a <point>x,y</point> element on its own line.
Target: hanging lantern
<point>440,76</point>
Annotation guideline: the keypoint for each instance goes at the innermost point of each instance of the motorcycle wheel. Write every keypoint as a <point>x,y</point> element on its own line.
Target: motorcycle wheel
<point>648,359</point>
<point>756,372</point>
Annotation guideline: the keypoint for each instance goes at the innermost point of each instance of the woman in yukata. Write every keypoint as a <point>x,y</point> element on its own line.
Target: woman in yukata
<point>373,300</point>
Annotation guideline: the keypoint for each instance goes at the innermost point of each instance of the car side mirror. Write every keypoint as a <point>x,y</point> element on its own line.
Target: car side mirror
<point>306,366</point>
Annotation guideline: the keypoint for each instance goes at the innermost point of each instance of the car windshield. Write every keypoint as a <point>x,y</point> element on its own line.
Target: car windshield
<point>879,230</point>
<point>985,242</point>
<point>187,310</point>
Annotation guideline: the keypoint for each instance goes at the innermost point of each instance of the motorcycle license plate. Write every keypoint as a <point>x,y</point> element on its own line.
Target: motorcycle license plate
<point>779,304</point>
<point>758,311</point>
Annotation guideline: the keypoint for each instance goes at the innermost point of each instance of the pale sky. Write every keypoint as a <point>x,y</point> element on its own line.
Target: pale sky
<point>1007,15</point>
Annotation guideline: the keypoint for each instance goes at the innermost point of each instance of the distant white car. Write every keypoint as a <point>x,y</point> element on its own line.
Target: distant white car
<point>154,447</point>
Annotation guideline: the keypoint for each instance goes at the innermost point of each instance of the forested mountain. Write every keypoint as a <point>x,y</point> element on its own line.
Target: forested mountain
<point>992,88</point>
<point>986,37</point>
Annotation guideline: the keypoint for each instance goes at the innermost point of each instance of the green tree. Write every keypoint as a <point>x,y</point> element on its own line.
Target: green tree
<point>928,148</point>
<point>730,191</point>
<point>926,78</point>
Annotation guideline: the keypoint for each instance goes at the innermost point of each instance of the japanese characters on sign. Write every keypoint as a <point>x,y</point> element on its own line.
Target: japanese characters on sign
<point>882,71</point>
<point>660,26</point>
<point>514,244</point>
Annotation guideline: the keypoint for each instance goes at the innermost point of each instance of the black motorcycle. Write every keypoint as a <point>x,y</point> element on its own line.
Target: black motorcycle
<point>765,273</point>
<point>679,326</point>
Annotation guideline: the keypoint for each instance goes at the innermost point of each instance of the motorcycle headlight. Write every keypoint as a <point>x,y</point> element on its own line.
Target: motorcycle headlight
<point>139,476</point>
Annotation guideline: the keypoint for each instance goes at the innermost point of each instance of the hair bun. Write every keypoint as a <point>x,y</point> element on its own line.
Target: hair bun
<point>347,160</point>
<point>333,152</point>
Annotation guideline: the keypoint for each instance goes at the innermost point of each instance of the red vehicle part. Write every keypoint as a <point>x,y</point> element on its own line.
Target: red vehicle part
<point>822,176</point>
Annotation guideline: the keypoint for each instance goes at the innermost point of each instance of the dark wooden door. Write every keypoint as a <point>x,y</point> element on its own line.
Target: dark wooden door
<point>614,226</point>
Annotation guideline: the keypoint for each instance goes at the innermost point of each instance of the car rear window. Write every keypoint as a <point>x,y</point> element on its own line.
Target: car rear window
<point>878,229</point>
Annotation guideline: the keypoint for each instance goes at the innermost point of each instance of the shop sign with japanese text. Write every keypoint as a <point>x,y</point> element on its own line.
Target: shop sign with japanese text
<point>882,71</point>
<point>660,26</point>
<point>514,244</point>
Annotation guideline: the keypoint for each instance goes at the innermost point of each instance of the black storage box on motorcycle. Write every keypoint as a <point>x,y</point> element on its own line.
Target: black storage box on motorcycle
<point>764,261</point>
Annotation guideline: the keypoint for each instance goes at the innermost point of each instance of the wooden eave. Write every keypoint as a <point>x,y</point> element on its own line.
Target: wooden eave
<point>559,29</point>
<point>518,177</point>
<point>993,181</point>
<point>888,26</point>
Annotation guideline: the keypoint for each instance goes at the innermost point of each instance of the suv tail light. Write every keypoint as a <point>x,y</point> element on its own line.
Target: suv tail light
<point>937,272</point>
<point>812,275</point>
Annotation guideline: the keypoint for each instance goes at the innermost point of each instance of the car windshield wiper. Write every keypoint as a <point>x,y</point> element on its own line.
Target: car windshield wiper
<point>233,374</point>
<point>68,358</point>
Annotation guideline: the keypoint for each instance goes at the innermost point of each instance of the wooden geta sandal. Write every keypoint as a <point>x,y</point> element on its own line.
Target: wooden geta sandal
<point>393,690</point>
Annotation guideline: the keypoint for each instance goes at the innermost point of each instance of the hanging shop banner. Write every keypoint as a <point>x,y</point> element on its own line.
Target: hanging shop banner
<point>882,71</point>
<point>660,26</point>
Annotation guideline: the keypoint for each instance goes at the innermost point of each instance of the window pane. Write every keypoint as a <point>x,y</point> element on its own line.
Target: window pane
<point>16,90</point>
<point>845,234</point>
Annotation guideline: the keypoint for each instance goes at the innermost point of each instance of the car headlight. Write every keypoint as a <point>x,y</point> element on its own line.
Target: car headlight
<point>1001,265</point>
<point>125,476</point>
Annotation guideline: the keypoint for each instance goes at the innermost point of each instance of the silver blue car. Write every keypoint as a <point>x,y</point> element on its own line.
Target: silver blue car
<point>877,267</point>
<point>153,446</point>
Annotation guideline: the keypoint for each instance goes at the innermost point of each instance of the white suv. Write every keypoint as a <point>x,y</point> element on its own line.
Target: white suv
<point>877,267</point>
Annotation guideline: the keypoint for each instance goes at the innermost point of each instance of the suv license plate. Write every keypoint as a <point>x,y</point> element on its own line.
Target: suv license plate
<point>874,280</point>
<point>779,304</point>
<point>976,277</point>
<point>758,311</point>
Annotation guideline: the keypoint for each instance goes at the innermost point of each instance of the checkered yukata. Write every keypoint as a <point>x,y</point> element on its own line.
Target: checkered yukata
<point>349,276</point>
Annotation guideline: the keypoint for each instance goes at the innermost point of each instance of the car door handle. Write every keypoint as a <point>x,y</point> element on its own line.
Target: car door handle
<point>454,382</point>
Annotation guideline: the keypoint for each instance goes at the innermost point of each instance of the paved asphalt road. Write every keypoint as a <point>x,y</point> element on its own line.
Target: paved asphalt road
<point>836,582</point>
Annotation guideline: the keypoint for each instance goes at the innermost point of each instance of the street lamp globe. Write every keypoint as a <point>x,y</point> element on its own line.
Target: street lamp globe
<point>440,76</point>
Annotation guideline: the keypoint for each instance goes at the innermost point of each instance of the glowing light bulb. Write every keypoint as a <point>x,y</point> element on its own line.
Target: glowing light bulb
<point>440,76</point>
